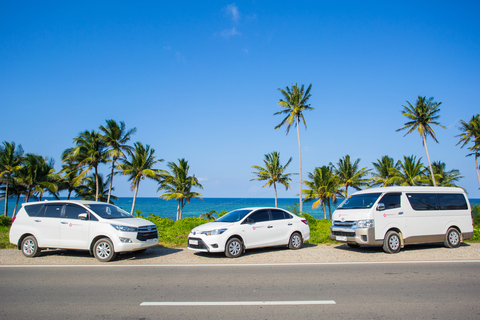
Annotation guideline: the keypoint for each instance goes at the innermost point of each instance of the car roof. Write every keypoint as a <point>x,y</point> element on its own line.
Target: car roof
<point>83,202</point>
<point>428,189</point>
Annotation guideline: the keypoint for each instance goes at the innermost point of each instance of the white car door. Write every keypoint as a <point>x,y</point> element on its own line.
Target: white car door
<point>74,232</point>
<point>257,229</point>
<point>47,226</point>
<point>392,216</point>
<point>282,226</point>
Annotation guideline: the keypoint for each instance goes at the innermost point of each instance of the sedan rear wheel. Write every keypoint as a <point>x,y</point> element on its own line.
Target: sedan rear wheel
<point>234,248</point>
<point>296,241</point>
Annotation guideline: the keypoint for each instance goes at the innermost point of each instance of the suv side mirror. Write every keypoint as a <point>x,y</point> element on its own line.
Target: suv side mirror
<point>248,221</point>
<point>83,216</point>
<point>381,207</point>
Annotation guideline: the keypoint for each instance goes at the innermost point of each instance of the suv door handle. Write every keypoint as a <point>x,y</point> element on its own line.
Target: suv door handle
<point>400,213</point>
<point>38,220</point>
<point>269,227</point>
<point>64,222</point>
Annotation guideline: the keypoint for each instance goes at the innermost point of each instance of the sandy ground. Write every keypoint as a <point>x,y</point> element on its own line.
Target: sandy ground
<point>307,254</point>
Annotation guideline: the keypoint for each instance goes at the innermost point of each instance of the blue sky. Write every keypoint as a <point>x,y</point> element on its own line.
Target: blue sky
<point>199,80</point>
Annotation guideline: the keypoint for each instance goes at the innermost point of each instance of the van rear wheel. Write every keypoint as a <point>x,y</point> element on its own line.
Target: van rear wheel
<point>453,238</point>
<point>392,242</point>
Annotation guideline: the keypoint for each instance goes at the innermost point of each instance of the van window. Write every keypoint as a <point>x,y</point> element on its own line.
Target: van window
<point>452,201</point>
<point>391,200</point>
<point>360,201</point>
<point>422,201</point>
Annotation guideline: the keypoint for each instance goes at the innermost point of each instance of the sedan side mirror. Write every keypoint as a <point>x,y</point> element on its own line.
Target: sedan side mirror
<point>381,207</point>
<point>83,216</point>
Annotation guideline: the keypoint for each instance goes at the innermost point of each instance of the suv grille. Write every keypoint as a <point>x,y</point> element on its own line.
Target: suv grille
<point>147,232</point>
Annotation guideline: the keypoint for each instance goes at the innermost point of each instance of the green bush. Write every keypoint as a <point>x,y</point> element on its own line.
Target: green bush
<point>5,221</point>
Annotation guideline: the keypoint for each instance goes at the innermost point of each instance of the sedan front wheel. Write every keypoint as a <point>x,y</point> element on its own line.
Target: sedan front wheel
<point>234,248</point>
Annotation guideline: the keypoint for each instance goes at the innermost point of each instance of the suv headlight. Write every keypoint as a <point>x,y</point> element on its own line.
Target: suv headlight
<point>365,224</point>
<point>124,228</point>
<point>213,232</point>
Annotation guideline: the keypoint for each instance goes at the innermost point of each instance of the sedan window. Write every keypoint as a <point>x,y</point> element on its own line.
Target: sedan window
<point>259,216</point>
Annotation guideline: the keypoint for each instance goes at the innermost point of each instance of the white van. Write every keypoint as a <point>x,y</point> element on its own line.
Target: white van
<point>101,228</point>
<point>395,216</point>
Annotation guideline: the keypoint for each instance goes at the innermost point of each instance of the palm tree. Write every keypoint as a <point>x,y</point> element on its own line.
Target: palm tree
<point>140,166</point>
<point>273,172</point>
<point>294,104</point>
<point>385,169</point>
<point>323,187</point>
<point>350,174</point>
<point>89,153</point>
<point>209,215</point>
<point>178,185</point>
<point>37,175</point>
<point>411,172</point>
<point>70,180</point>
<point>115,137</point>
<point>471,131</point>
<point>443,177</point>
<point>86,191</point>
<point>421,117</point>
<point>10,163</point>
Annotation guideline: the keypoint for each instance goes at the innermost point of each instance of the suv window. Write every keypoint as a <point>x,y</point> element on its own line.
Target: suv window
<point>260,216</point>
<point>452,201</point>
<point>51,211</point>
<point>72,211</point>
<point>32,210</point>
<point>391,200</point>
<point>422,201</point>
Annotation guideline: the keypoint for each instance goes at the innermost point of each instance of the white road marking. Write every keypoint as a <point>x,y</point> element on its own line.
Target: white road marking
<point>237,303</point>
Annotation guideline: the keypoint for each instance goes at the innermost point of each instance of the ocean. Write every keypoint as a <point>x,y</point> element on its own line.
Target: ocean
<point>196,207</point>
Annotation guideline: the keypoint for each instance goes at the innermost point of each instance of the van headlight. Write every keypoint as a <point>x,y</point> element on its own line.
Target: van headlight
<point>365,224</point>
<point>124,228</point>
<point>213,232</point>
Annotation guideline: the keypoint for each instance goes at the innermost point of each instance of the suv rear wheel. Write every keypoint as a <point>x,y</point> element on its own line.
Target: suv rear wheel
<point>30,247</point>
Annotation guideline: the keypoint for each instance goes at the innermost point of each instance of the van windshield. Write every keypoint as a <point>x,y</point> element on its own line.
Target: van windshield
<point>108,211</point>
<point>359,201</point>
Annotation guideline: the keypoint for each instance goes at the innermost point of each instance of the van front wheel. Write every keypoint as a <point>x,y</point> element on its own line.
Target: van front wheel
<point>452,238</point>
<point>392,242</point>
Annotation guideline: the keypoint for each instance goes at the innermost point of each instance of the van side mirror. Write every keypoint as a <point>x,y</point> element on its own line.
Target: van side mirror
<point>381,207</point>
<point>83,216</point>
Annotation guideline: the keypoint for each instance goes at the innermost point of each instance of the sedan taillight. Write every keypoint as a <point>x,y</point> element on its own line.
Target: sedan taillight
<point>305,221</point>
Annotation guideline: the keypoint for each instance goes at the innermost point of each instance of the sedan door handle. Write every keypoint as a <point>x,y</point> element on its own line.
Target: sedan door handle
<point>269,227</point>
<point>38,220</point>
<point>290,224</point>
<point>64,222</point>
<point>400,213</point>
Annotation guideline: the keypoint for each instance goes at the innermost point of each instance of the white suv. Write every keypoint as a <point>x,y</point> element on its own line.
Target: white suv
<point>250,228</point>
<point>101,228</point>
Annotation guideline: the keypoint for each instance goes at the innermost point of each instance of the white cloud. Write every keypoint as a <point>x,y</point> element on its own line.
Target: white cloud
<point>232,12</point>
<point>227,33</point>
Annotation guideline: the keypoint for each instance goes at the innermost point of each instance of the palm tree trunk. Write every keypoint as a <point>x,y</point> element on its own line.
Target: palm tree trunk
<point>275,188</point>
<point>134,197</point>
<point>428,158</point>
<point>476,167</point>
<point>300,161</point>
<point>96,183</point>
<point>111,182</point>
<point>329,210</point>
<point>5,213</point>
<point>16,205</point>
<point>324,211</point>
<point>178,209</point>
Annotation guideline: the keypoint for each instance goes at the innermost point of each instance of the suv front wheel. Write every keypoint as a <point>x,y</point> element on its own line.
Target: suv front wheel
<point>103,250</point>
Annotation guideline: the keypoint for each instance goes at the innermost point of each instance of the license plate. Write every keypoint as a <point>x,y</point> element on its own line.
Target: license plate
<point>193,242</point>
<point>340,238</point>
<point>151,240</point>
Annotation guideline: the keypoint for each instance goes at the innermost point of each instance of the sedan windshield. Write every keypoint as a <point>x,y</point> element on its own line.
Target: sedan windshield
<point>234,216</point>
<point>360,201</point>
<point>108,211</point>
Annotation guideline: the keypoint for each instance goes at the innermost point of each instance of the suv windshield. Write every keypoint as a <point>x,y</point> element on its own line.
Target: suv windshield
<point>234,216</point>
<point>108,211</point>
<point>360,201</point>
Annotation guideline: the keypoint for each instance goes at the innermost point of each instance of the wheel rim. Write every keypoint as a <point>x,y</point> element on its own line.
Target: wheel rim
<point>394,242</point>
<point>29,247</point>
<point>296,241</point>
<point>234,248</point>
<point>103,250</point>
<point>453,238</point>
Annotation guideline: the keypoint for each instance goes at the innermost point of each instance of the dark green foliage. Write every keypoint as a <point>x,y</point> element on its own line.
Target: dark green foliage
<point>5,221</point>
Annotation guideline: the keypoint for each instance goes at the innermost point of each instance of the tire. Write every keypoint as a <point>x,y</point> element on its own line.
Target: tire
<point>453,238</point>
<point>353,245</point>
<point>30,247</point>
<point>234,248</point>
<point>103,250</point>
<point>296,241</point>
<point>392,242</point>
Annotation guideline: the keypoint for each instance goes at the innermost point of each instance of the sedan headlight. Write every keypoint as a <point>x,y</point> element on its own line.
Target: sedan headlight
<point>213,232</point>
<point>124,228</point>
<point>365,224</point>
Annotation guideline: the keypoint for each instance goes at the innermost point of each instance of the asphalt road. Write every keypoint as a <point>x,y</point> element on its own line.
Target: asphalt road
<point>385,290</point>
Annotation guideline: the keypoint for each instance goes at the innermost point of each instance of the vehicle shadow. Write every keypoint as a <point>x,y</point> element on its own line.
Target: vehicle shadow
<point>154,252</point>
<point>368,249</point>
<point>251,252</point>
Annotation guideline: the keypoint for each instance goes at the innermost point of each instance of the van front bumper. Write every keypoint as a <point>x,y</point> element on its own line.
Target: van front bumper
<point>354,235</point>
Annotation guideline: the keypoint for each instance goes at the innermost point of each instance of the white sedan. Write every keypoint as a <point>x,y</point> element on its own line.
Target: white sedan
<point>250,228</point>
